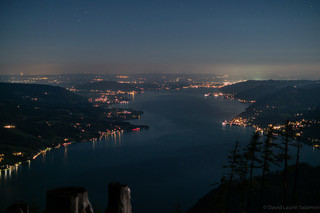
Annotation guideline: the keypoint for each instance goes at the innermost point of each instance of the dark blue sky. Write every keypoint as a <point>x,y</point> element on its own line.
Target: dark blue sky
<point>154,36</point>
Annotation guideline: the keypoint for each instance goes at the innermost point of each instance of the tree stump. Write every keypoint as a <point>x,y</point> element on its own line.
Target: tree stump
<point>18,207</point>
<point>119,200</point>
<point>68,200</point>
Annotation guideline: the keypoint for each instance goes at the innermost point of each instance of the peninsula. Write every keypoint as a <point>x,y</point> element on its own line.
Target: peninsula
<point>35,118</point>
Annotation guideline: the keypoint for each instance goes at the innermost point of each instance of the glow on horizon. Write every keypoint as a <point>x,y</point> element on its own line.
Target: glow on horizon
<point>240,37</point>
<point>252,71</point>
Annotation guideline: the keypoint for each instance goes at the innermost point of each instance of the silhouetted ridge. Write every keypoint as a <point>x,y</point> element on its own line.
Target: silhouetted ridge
<point>255,90</point>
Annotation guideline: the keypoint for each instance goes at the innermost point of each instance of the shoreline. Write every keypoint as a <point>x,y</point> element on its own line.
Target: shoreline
<point>13,167</point>
<point>245,122</point>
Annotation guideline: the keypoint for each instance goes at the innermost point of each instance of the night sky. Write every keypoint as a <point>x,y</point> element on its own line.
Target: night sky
<point>256,37</point>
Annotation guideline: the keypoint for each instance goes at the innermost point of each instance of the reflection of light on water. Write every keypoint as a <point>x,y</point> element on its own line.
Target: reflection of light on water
<point>65,153</point>
<point>16,169</point>
<point>44,158</point>
<point>124,103</point>
<point>224,126</point>
<point>9,173</point>
<point>93,144</point>
<point>120,137</point>
<point>5,176</point>
<point>115,138</point>
<point>315,147</point>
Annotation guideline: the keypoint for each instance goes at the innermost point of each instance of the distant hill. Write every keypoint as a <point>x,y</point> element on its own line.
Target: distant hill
<point>254,90</point>
<point>257,92</point>
<point>278,101</point>
<point>20,100</point>
<point>34,117</point>
<point>39,94</point>
<point>286,103</point>
<point>290,97</point>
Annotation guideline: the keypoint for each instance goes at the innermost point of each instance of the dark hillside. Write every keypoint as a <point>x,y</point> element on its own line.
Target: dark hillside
<point>307,193</point>
<point>35,117</point>
<point>254,90</point>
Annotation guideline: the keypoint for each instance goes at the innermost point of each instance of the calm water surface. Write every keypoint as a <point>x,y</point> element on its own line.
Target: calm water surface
<point>172,163</point>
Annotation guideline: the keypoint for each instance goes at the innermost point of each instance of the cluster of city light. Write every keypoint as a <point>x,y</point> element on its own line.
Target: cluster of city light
<point>9,126</point>
<point>97,79</point>
<point>109,97</point>
<point>123,114</point>
<point>15,166</point>
<point>130,82</point>
<point>44,151</point>
<point>8,168</point>
<point>122,76</point>
<point>17,153</point>
<point>73,90</point>
<point>296,126</point>
<point>238,121</point>
<point>231,96</point>
<point>224,95</point>
<point>27,79</point>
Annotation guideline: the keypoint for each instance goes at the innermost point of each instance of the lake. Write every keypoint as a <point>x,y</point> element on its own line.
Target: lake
<point>173,163</point>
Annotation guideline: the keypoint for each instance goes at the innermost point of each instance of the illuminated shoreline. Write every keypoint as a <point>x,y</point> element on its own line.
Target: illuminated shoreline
<point>249,122</point>
<point>15,166</point>
<point>297,126</point>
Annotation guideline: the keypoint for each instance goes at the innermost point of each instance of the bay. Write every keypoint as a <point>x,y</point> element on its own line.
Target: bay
<point>173,163</point>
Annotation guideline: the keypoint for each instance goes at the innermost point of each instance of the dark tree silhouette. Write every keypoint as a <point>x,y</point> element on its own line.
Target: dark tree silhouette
<point>241,172</point>
<point>299,146</point>
<point>251,154</point>
<point>233,159</point>
<point>286,140</point>
<point>268,157</point>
